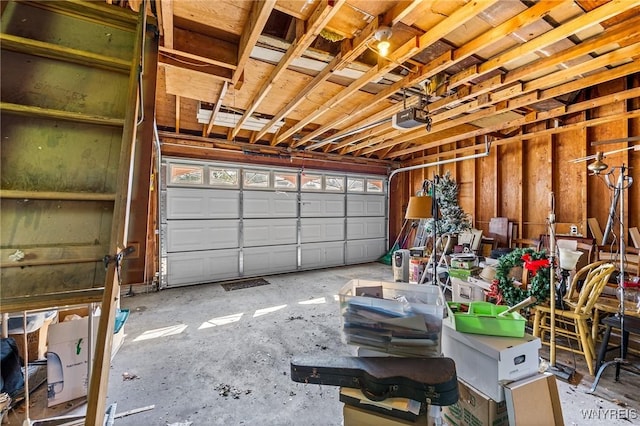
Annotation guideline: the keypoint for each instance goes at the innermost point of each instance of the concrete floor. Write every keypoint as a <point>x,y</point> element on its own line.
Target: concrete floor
<point>201,355</point>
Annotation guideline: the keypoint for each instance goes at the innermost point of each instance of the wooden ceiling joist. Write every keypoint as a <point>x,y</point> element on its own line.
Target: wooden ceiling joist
<point>449,58</point>
<point>260,12</point>
<point>318,20</point>
<point>494,60</point>
<point>398,56</point>
<point>216,109</point>
<point>492,84</point>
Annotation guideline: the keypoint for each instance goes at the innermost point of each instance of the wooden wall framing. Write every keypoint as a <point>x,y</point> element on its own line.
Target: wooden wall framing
<point>517,177</point>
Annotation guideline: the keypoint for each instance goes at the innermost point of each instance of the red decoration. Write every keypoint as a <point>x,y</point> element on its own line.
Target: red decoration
<point>533,265</point>
<point>494,293</point>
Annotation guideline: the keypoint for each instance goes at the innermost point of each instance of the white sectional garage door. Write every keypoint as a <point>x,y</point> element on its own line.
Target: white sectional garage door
<point>222,221</point>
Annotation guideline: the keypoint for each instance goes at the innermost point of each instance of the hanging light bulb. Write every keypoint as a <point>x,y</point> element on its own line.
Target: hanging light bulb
<point>383,34</point>
<point>383,48</point>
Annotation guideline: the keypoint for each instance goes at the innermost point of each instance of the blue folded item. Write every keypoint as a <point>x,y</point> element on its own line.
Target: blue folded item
<point>121,318</point>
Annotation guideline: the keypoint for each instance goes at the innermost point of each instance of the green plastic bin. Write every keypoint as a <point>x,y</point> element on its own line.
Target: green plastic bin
<point>482,318</point>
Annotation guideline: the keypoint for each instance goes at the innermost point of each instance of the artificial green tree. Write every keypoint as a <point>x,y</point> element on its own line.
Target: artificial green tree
<point>452,220</point>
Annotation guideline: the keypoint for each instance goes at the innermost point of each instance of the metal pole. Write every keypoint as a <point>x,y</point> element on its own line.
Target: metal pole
<point>552,286</point>
<point>620,186</point>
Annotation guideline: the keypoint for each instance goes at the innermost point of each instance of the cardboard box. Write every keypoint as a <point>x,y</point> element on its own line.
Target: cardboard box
<point>68,355</point>
<point>353,416</point>
<point>463,274</point>
<point>36,337</point>
<point>466,291</point>
<point>534,401</point>
<point>475,409</point>
<point>486,362</point>
<point>398,408</point>
<point>464,264</point>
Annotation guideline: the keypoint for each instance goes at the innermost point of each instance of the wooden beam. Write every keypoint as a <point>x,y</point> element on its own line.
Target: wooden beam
<point>170,140</point>
<point>99,379</point>
<point>400,55</point>
<point>606,11</point>
<point>400,11</point>
<point>49,195</point>
<point>575,72</point>
<point>528,99</point>
<point>260,12</point>
<point>351,49</point>
<point>318,20</point>
<point>447,59</point>
<point>526,17</point>
<point>616,34</point>
<point>56,51</point>
<point>186,57</point>
<point>558,112</point>
<point>178,114</point>
<point>317,80</point>
<point>77,117</point>
<point>167,22</point>
<point>46,301</point>
<point>191,84</point>
<point>177,59</point>
<point>216,108</point>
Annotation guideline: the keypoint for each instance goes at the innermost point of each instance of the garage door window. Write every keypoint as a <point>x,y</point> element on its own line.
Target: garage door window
<point>256,179</point>
<point>355,184</point>
<point>374,185</point>
<point>311,182</point>
<point>285,181</point>
<point>223,177</point>
<point>187,174</point>
<point>334,183</point>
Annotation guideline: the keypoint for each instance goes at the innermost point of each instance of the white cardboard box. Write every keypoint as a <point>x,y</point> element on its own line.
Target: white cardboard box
<point>466,291</point>
<point>68,353</point>
<point>534,401</point>
<point>487,362</point>
<point>67,357</point>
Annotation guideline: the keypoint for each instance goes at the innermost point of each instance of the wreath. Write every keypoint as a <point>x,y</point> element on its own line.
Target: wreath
<point>536,263</point>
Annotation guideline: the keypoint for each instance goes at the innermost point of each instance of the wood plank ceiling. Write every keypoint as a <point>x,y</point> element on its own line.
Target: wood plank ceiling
<point>286,76</point>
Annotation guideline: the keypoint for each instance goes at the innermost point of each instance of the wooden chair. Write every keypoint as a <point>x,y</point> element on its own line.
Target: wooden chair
<point>572,296</point>
<point>574,324</point>
<point>631,258</point>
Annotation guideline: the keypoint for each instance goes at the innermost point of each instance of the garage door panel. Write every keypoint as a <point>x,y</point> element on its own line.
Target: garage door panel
<point>187,235</point>
<point>365,250</point>
<point>269,260</point>
<point>268,204</point>
<point>365,205</point>
<point>321,205</point>
<point>314,230</point>
<point>201,267</point>
<point>365,227</point>
<point>264,232</point>
<point>322,255</point>
<point>221,228</point>
<point>201,203</point>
